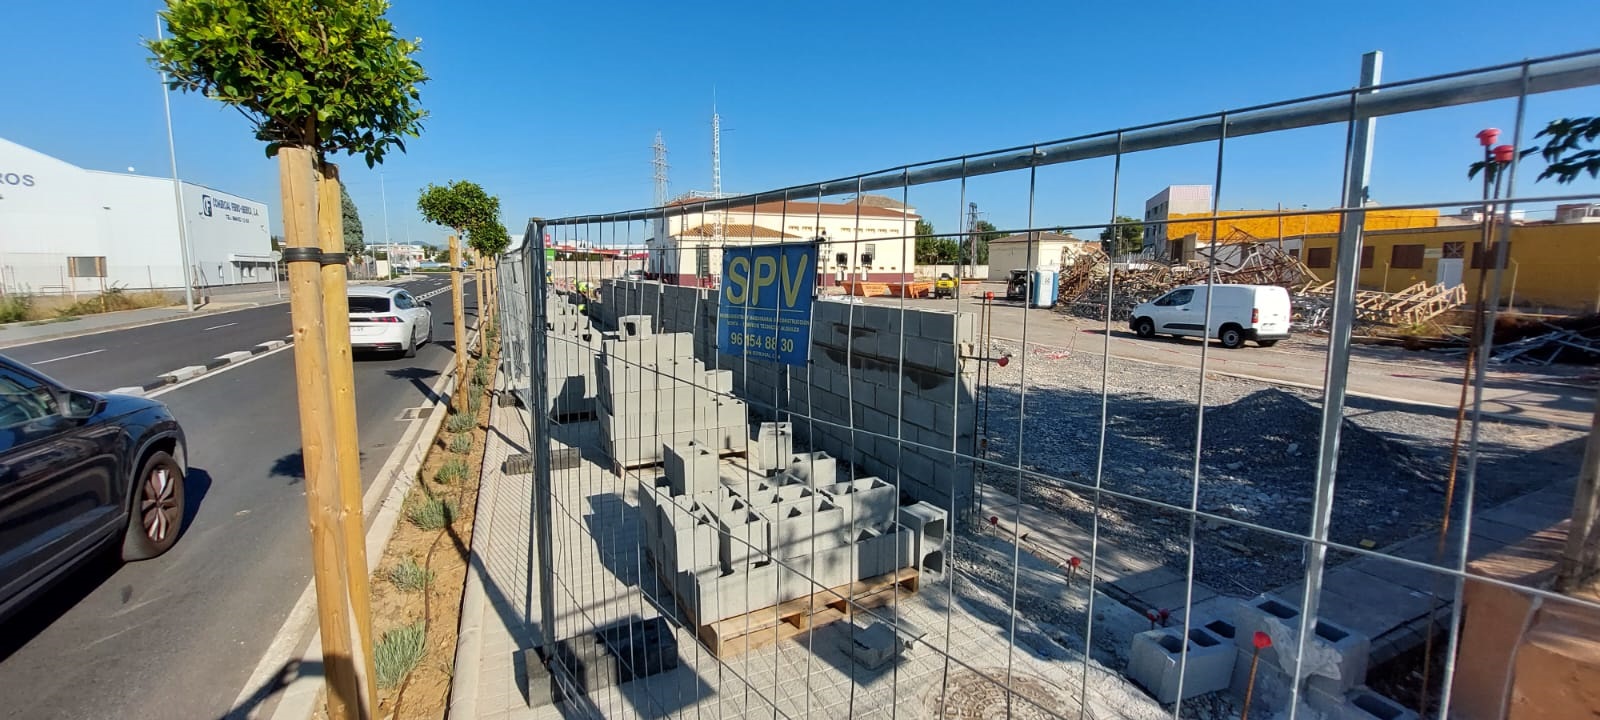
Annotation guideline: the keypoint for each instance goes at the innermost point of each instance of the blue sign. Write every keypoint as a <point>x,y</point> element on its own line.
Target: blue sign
<point>765,310</point>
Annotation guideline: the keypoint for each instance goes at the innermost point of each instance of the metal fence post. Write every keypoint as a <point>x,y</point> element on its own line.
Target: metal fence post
<point>1357,170</point>
<point>539,443</point>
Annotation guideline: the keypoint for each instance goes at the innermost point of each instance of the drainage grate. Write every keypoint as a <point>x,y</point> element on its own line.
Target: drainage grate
<point>414,413</point>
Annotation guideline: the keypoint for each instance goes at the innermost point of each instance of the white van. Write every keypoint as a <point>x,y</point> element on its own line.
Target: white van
<point>1238,313</point>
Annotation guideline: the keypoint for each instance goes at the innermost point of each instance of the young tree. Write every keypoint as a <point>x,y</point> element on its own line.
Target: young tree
<point>1123,239</point>
<point>1564,151</point>
<point>313,78</point>
<point>354,238</point>
<point>458,205</point>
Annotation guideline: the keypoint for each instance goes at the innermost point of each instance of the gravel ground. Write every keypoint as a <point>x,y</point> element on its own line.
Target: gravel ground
<point>1257,462</point>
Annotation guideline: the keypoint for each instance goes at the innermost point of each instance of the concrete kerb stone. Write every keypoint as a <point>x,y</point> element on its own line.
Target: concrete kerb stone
<point>184,373</point>
<point>234,357</point>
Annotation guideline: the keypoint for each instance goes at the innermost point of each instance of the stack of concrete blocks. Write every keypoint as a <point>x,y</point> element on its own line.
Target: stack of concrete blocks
<point>654,394</point>
<point>571,345</point>
<point>1333,671</point>
<point>870,366</point>
<point>773,446</point>
<point>1156,657</point>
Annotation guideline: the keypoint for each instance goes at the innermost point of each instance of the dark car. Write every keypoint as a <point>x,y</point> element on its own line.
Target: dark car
<point>81,473</point>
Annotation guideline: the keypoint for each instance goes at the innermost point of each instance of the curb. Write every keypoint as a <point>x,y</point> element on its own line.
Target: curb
<point>297,699</point>
<point>467,665</point>
<point>190,372</point>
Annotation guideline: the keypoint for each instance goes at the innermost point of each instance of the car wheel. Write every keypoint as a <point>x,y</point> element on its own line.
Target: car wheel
<point>1144,328</point>
<point>1231,337</point>
<point>411,347</point>
<point>429,339</point>
<point>157,514</point>
<point>1266,343</point>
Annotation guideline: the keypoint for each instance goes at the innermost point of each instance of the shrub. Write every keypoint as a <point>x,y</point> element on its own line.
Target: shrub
<point>475,401</point>
<point>398,653</point>
<point>461,444</point>
<point>410,576</point>
<point>454,469</point>
<point>15,308</point>
<point>433,513</point>
<point>459,423</point>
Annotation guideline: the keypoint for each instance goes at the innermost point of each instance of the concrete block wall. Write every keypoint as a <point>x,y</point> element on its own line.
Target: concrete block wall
<point>876,373</point>
<point>571,347</point>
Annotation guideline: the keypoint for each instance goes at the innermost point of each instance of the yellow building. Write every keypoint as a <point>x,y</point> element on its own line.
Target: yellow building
<point>1182,225</point>
<point>1553,267</point>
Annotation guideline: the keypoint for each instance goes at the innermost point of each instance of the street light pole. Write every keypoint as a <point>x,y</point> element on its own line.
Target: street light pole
<point>177,187</point>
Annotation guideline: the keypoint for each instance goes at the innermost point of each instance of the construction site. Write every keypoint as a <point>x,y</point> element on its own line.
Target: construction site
<point>775,497</point>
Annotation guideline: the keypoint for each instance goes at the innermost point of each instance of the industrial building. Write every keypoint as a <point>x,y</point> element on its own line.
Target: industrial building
<point>1032,251</point>
<point>66,229</point>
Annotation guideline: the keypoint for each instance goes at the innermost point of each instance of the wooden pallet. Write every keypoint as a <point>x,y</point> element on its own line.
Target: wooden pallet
<point>739,634</point>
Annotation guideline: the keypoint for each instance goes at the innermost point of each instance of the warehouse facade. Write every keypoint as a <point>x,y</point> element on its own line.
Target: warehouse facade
<point>66,230</point>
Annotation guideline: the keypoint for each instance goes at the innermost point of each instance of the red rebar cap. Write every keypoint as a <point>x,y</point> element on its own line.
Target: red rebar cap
<point>1487,136</point>
<point>1504,153</point>
<point>1261,640</point>
<point>1076,561</point>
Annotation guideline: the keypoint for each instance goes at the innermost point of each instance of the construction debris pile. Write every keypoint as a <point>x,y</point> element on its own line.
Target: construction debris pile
<point>1574,340</point>
<point>1243,261</point>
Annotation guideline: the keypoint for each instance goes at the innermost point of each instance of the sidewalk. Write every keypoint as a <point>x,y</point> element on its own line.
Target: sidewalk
<point>963,660</point>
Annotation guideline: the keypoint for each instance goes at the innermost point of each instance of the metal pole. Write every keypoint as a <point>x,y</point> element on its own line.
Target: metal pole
<point>383,192</point>
<point>1357,170</point>
<point>539,444</point>
<point>177,186</point>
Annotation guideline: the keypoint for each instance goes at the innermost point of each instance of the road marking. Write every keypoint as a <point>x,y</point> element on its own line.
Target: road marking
<point>218,371</point>
<point>219,327</point>
<point>69,357</point>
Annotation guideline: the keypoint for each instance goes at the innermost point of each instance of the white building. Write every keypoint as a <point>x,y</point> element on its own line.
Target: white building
<point>65,229</point>
<point>402,254</point>
<point>1034,251</point>
<point>1174,199</point>
<point>871,240</point>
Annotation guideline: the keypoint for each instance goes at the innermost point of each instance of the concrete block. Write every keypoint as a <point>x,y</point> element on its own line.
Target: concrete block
<point>1272,686</point>
<point>774,445</point>
<point>883,552</point>
<point>867,502</point>
<point>873,646</point>
<point>814,468</point>
<point>717,594</point>
<point>1155,656</point>
<point>651,496</point>
<point>1363,704</point>
<point>731,413</point>
<point>1336,653</point>
<point>930,525</point>
<point>691,468</point>
<point>688,540</point>
<point>720,381</point>
<point>744,537</point>
<point>635,326</point>
<point>805,526</point>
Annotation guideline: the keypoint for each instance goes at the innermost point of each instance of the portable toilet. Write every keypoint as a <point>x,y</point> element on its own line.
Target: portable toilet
<point>1044,288</point>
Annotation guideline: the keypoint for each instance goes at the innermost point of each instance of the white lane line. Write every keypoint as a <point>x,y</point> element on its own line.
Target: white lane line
<point>216,372</point>
<point>69,357</point>
<point>219,327</point>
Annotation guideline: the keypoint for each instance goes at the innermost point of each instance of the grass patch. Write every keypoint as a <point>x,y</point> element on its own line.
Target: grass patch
<point>433,513</point>
<point>461,444</point>
<point>410,576</point>
<point>112,300</point>
<point>398,653</point>
<point>455,469</point>
<point>475,401</point>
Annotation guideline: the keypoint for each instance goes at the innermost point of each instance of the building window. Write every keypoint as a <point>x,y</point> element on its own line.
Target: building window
<point>1366,256</point>
<point>1478,260</point>
<point>1319,257</point>
<point>1295,253</point>
<point>1407,257</point>
<point>1454,250</point>
<point>86,267</point>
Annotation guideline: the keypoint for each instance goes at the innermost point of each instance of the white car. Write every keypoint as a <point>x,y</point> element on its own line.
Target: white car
<point>388,319</point>
<point>1238,313</point>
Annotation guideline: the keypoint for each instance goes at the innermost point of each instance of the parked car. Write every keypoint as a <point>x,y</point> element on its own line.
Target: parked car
<point>79,473</point>
<point>388,319</point>
<point>635,275</point>
<point>1258,313</point>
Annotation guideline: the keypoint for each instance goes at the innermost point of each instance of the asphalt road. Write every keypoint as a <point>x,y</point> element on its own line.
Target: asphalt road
<point>178,636</point>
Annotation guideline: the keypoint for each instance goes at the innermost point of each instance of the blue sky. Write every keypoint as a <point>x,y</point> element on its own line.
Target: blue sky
<point>553,106</point>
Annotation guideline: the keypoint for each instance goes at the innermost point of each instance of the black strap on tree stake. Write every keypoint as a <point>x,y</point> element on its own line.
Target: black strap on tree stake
<point>337,258</point>
<point>302,254</point>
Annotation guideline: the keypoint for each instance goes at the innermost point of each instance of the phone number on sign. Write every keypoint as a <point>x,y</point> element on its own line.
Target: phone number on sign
<point>760,342</point>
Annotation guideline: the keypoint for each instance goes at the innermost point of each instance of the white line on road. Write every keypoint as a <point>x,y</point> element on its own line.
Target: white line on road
<point>219,327</point>
<point>69,357</point>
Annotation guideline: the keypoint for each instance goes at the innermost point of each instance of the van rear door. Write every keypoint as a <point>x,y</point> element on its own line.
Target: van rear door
<point>1272,311</point>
